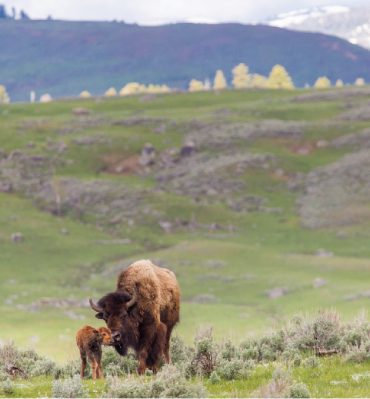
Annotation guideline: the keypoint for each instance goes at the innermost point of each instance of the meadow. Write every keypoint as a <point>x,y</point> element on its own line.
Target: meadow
<point>227,218</point>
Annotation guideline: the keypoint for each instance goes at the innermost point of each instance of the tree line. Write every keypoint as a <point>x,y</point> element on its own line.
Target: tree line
<point>278,78</point>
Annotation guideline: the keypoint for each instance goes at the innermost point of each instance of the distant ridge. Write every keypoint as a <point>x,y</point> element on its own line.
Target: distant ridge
<point>352,24</point>
<point>64,58</point>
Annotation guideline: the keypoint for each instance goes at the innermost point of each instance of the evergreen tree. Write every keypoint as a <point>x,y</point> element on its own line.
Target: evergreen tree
<point>23,16</point>
<point>3,13</point>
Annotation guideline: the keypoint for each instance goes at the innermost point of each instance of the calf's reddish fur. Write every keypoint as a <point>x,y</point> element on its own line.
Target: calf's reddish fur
<point>89,341</point>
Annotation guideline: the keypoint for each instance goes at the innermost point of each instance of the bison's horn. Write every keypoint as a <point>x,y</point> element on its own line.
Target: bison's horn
<point>132,301</point>
<point>94,306</point>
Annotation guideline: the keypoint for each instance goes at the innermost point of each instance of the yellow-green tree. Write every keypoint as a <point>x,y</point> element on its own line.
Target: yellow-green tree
<point>322,83</point>
<point>111,92</point>
<point>279,78</point>
<point>157,89</point>
<point>132,88</point>
<point>196,85</point>
<point>258,81</point>
<point>219,82</point>
<point>360,82</point>
<point>4,96</point>
<point>85,94</point>
<point>339,83</point>
<point>241,78</point>
<point>46,98</point>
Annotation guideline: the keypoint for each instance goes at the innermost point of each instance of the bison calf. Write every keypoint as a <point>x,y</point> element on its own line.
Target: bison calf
<point>89,341</point>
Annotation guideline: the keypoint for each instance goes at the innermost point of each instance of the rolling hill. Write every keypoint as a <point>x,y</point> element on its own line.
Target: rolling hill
<point>265,215</point>
<point>64,58</point>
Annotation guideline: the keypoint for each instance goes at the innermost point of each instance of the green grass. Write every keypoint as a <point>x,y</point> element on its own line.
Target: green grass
<point>333,378</point>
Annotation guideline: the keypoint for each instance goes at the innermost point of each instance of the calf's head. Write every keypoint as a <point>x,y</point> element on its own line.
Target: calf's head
<point>114,309</point>
<point>106,336</point>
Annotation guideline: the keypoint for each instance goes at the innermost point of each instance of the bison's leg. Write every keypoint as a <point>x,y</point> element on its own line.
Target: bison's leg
<point>83,363</point>
<point>167,345</point>
<point>142,357</point>
<point>146,340</point>
<point>99,369</point>
<point>94,364</point>
<point>158,348</point>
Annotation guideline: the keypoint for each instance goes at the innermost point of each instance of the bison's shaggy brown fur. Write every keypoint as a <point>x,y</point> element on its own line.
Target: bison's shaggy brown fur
<point>89,341</point>
<point>142,312</point>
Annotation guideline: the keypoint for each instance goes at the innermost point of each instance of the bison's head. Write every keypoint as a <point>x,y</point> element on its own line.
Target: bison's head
<point>114,308</point>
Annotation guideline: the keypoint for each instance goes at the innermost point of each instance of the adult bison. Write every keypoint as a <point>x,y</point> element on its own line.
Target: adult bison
<point>142,312</point>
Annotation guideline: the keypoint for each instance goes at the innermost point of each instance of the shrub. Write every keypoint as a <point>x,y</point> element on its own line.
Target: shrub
<point>327,330</point>
<point>205,354</point>
<point>311,362</point>
<point>8,355</point>
<point>357,355</point>
<point>28,362</point>
<point>68,388</point>
<point>42,367</point>
<point>129,388</point>
<point>179,352</point>
<point>71,369</point>
<point>356,335</point>
<point>299,390</point>
<point>169,382</point>
<point>278,387</point>
<point>292,356</point>
<point>249,351</point>
<point>233,369</point>
<point>7,387</point>
<point>228,351</point>
<point>214,378</point>
<point>116,365</point>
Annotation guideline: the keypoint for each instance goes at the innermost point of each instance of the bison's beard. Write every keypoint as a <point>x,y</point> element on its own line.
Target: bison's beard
<point>128,340</point>
<point>121,349</point>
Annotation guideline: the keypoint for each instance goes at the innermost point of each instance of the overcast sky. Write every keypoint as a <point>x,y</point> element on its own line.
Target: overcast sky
<point>162,11</point>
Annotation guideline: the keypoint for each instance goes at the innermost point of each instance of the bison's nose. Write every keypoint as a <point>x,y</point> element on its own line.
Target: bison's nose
<point>116,336</point>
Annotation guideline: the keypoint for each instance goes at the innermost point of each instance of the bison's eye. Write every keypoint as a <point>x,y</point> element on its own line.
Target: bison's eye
<point>99,315</point>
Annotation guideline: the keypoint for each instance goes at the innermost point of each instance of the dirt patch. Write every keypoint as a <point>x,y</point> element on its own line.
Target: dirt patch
<point>303,148</point>
<point>118,164</point>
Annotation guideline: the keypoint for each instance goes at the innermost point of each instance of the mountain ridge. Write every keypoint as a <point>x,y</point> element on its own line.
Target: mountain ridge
<point>348,23</point>
<point>64,58</point>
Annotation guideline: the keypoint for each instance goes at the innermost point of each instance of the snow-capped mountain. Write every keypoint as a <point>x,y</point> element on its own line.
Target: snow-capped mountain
<point>352,24</point>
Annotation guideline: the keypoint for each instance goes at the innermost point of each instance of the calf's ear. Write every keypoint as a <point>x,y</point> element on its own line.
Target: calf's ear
<point>99,315</point>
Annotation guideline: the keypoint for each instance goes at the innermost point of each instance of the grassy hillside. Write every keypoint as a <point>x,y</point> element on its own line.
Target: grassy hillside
<point>229,218</point>
<point>64,58</point>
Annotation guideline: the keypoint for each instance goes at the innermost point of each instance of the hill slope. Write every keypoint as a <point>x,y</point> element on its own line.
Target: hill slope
<point>266,216</point>
<point>64,58</point>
